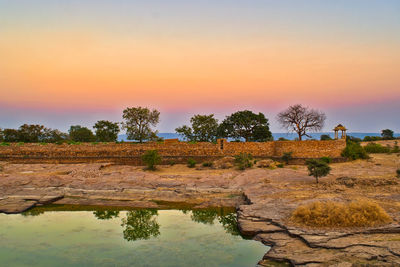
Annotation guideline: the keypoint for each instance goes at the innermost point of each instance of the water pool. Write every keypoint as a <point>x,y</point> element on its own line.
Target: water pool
<point>145,237</point>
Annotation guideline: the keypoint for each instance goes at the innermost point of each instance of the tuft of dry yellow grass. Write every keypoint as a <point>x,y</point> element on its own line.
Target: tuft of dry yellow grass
<point>336,214</point>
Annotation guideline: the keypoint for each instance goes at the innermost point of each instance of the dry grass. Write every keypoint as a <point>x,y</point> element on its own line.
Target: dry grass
<point>334,214</point>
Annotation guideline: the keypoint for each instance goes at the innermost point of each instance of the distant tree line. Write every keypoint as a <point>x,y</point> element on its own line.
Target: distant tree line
<point>239,125</point>
<point>105,131</point>
<point>140,122</point>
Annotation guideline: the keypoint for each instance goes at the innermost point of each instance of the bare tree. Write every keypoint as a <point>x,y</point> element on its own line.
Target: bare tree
<point>301,119</point>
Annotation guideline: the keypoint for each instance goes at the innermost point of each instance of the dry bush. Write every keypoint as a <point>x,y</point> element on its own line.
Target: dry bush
<point>335,214</point>
<point>224,163</point>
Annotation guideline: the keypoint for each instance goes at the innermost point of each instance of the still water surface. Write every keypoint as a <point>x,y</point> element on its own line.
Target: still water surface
<point>146,237</point>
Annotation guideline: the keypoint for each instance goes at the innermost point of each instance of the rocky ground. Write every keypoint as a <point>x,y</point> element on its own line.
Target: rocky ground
<point>265,199</point>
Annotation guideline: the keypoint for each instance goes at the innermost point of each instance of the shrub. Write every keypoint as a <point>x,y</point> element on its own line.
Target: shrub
<point>326,159</point>
<point>372,138</point>
<point>4,144</point>
<point>353,139</point>
<point>171,162</point>
<point>244,161</point>
<point>280,165</point>
<point>151,158</point>
<point>396,148</point>
<point>332,214</point>
<point>191,163</point>
<point>325,137</point>
<point>287,156</point>
<point>207,164</point>
<point>282,139</point>
<point>20,143</point>
<point>354,151</point>
<point>398,173</point>
<point>71,142</point>
<point>317,168</point>
<point>376,148</point>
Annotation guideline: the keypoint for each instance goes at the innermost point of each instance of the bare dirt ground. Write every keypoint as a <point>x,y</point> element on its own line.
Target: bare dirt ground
<point>265,199</point>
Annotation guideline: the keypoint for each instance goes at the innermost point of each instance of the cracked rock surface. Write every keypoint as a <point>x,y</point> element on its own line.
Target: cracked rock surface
<point>265,199</point>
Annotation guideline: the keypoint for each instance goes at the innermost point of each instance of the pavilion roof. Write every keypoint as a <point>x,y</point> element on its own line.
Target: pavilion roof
<point>340,128</point>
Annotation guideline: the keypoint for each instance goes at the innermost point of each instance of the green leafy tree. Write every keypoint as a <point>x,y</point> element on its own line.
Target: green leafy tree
<point>246,124</point>
<point>106,131</point>
<point>318,168</point>
<point>31,133</point>
<point>78,133</point>
<point>54,136</point>
<point>301,119</point>
<point>1,135</point>
<point>387,134</point>
<point>138,123</point>
<point>10,135</point>
<point>151,158</point>
<point>204,129</point>
<point>140,224</point>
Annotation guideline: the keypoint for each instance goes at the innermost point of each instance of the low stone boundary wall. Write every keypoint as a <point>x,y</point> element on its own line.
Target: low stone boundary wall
<point>172,152</point>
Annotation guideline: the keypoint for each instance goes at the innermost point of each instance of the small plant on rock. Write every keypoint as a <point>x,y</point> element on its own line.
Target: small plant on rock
<point>244,161</point>
<point>280,165</point>
<point>207,164</point>
<point>151,158</point>
<point>317,168</point>
<point>396,148</point>
<point>376,148</point>
<point>398,173</point>
<point>191,163</point>
<point>287,156</point>
<point>327,159</point>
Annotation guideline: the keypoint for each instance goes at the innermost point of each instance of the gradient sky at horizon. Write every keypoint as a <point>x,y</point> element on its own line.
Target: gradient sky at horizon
<point>75,62</point>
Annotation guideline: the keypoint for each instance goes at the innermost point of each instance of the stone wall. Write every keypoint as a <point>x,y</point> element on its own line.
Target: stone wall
<point>170,150</point>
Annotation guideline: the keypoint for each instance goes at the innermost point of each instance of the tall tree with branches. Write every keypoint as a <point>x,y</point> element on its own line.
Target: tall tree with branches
<point>247,125</point>
<point>204,129</point>
<point>300,119</point>
<point>138,123</point>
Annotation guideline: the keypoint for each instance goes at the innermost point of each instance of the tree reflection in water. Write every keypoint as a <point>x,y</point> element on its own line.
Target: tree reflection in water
<point>105,214</point>
<point>140,224</point>
<point>208,216</point>
<point>229,222</point>
<point>204,216</point>
<point>32,212</point>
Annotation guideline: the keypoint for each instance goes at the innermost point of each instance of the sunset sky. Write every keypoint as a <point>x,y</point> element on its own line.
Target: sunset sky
<point>76,62</point>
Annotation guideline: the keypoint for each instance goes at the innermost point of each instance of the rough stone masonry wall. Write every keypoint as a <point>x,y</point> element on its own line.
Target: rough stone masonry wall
<point>171,151</point>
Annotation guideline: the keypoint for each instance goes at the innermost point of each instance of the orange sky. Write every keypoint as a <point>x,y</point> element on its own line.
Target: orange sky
<point>61,60</point>
<point>61,69</point>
